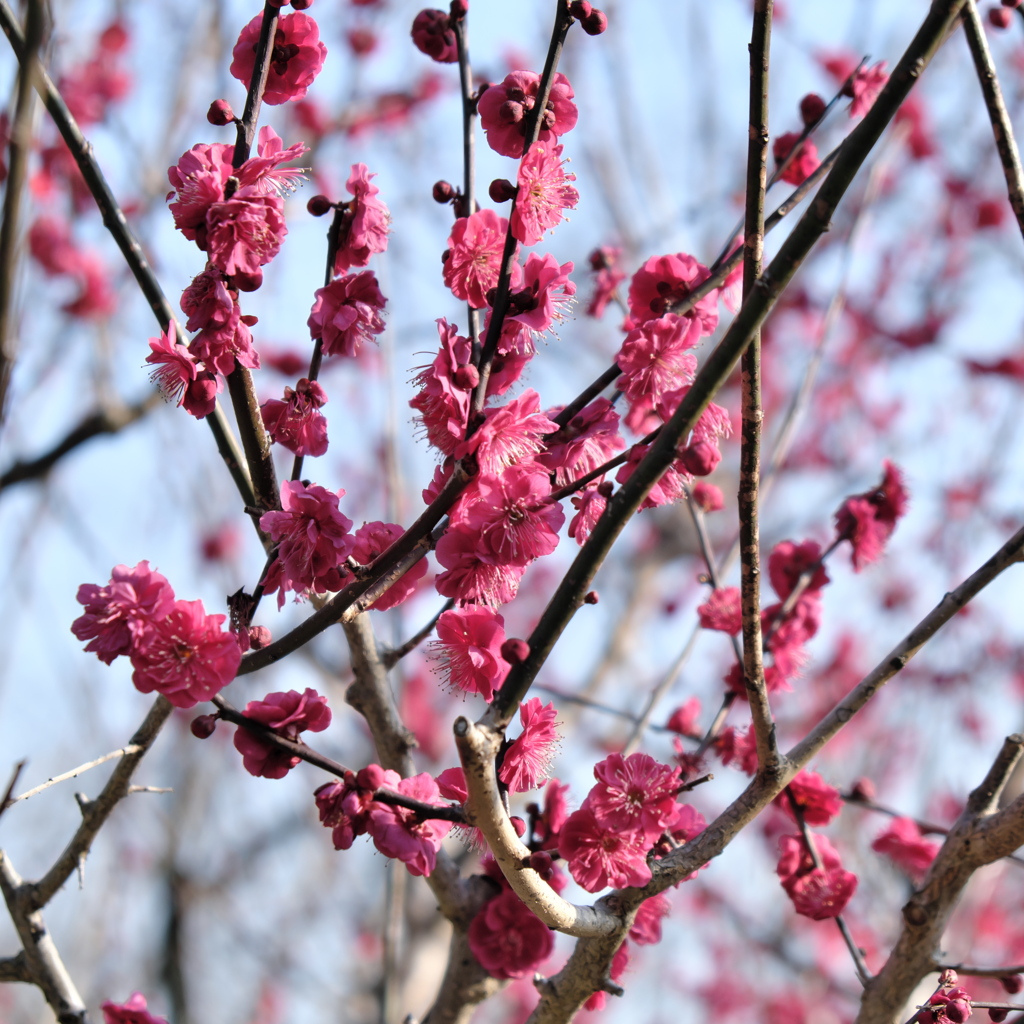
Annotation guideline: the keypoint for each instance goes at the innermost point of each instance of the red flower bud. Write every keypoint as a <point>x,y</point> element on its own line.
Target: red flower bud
<point>519,825</point>
<point>1013,983</point>
<point>246,282</point>
<point>541,862</point>
<point>591,598</point>
<point>515,651</point>
<point>595,23</point>
<point>443,192</point>
<point>998,1015</point>
<point>501,190</point>
<point>301,5</point>
<point>319,205</point>
<point>580,9</point>
<point>466,377</point>
<point>1000,17</point>
<point>458,9</point>
<point>812,106</point>
<point>203,726</point>
<point>220,113</point>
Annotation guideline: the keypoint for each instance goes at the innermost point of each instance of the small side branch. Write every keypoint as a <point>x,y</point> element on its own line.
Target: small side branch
<point>15,968</point>
<point>75,772</point>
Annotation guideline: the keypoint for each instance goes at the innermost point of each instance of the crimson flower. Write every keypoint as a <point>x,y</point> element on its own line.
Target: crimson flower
<point>346,313</point>
<point>598,856</point>
<point>132,1012</point>
<point>468,646</point>
<point>803,165</point>
<point>245,232</point>
<point>665,280</point>
<point>508,939</point>
<point>445,386</point>
<point>868,520</point>
<point>903,842</point>
<point>509,434</point>
<point>288,714</point>
<point>296,421</point>
<point>543,193</point>
<point>472,262</point>
<point>527,759</point>
<point>590,438</point>
<point>371,540</point>
<point>607,278</point>
<point>179,376</point>
<point>818,801</point>
<point>543,293</point>
<point>634,794</point>
<point>397,832</point>
<point>296,59</point>
<point>817,893</point>
<point>657,358</point>
<point>432,34</point>
<point>722,611</point>
<point>365,224</point>
<point>504,110</point>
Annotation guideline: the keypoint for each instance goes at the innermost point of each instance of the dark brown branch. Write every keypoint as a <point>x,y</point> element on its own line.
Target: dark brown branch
<point>257,84</point>
<point>391,658</point>
<point>1002,129</point>
<point>8,797</point>
<point>15,968</point>
<point>17,166</point>
<point>115,222</point>
<point>752,664</point>
<point>105,421</point>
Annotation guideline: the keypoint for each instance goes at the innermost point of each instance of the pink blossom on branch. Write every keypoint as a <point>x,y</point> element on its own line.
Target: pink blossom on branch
<point>526,761</point>
<point>134,1011</point>
<point>865,86</point>
<point>288,714</point>
<point>245,232</point>
<point>543,294</point>
<point>598,856</point>
<point>657,358</point>
<point>722,611</point>
<point>819,802</point>
<point>295,61</point>
<point>904,844</point>
<point>634,794</point>
<point>817,893</point>
<point>589,439</point>
<point>665,280</point>
<point>295,422</point>
<point>508,939</point>
<point>509,434</point>
<point>445,390</point>
<point>432,34</point>
<point>117,614</point>
<point>373,539</point>
<point>868,520</point>
<point>365,225</point>
<point>607,278</point>
<point>803,165</point>
<point>472,262</point>
<point>504,109</point>
<point>468,648</point>
<point>543,193</point>
<point>397,832</point>
<point>179,376</point>
<point>346,313</point>
<point>186,655</point>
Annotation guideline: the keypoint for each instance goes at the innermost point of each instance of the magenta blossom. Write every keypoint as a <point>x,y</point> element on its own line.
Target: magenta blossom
<point>472,262</point>
<point>295,422</point>
<point>664,281</point>
<point>590,504</point>
<point>245,232</point>
<point>288,714</point>
<point>607,278</point>
<point>212,310</point>
<point>634,794</point>
<point>864,87</point>
<point>527,759</point>
<point>543,294</point>
<point>397,832</point>
<point>186,655</point>
<point>346,313</point>
<point>313,540</point>
<point>543,193</point>
<point>432,34</point>
<point>504,110</point>
<point>721,611</point>
<point>646,928</point>
<point>508,939</point>
<point>132,1012</point>
<point>511,433</point>
<point>179,376</point>
<point>657,357</point>
<point>867,520</point>
<point>599,857</point>
<point>471,574</point>
<point>296,59</point>
<point>117,614</point>
<point>589,439</point>
<point>817,893</point>
<point>803,164</point>
<point>365,225</point>
<point>819,802</point>
<point>468,647</point>
<point>445,390</point>
<point>904,844</point>
<point>373,539</point>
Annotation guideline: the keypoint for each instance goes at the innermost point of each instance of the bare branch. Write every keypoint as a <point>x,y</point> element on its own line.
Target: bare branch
<point>75,772</point>
<point>15,968</point>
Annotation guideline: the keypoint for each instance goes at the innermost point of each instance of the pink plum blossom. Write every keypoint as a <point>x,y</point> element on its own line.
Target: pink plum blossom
<point>471,573</point>
<point>721,611</point>
<point>865,86</point>
<point>346,313</point>
<point>509,434</point>
<point>904,844</point>
<point>657,358</point>
<point>288,714</point>
<point>313,540</point>
<point>589,439</point>
<point>365,224</point>
<point>179,376</point>
<point>634,794</point>
<point>819,802</point>
<point>186,655</point>
<point>117,614</point>
<point>134,1011</point>
<point>472,262</point>
<point>664,281</point>
<point>372,540</point>
<point>245,232</point>
<point>397,832</point>
<point>508,939</point>
<point>543,193</point>
<point>445,390</point>
<point>817,893</point>
<point>433,35</point>
<point>803,165</point>
<point>607,278</point>
<point>544,293</point>
<point>526,761</point>
<point>296,58</point>
<point>598,856</point>
<point>867,520</point>
<point>468,648</point>
<point>295,422</point>
<point>590,504</point>
<point>505,107</point>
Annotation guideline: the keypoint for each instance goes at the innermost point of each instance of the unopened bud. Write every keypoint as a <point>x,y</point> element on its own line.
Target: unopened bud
<point>605,488</point>
<point>220,113</point>
<point>501,190</point>
<point>541,862</point>
<point>301,5</point>
<point>998,1015</point>
<point>203,726</point>
<point>595,23</point>
<point>319,205</point>
<point>1000,17</point>
<point>1013,983</point>
<point>519,825</point>
<point>863,789</point>
<point>700,459</point>
<point>443,192</point>
<point>591,598</point>
<point>466,377</point>
<point>458,9</point>
<point>580,9</point>
<point>245,281</point>
<point>812,106</point>
<point>515,651</point>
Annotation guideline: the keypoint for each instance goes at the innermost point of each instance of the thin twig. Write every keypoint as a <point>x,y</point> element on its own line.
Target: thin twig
<point>15,775</point>
<point>75,772</point>
<point>391,658</point>
<point>19,148</point>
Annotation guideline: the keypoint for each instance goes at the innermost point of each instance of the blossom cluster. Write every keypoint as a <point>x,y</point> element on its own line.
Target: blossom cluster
<point>175,648</point>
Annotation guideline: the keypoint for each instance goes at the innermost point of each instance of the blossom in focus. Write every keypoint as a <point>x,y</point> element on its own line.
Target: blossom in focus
<point>365,224</point>
<point>634,794</point>
<point>295,61</point>
<point>589,439</point>
<point>432,34</point>
<point>511,433</point>
<point>590,504</point>
<point>288,714</point>
<point>527,759</point>
<point>472,262</point>
<point>664,281</point>
<point>868,520</point>
<point>445,388</point>
<point>543,193</point>
<point>505,107</point>
<point>817,893</point>
<point>346,313</point>
<point>543,293</point>
<point>471,574</point>
<point>468,647</point>
<point>598,857</point>
<point>313,540</point>
<point>180,377</point>
<point>134,1011</point>
<point>373,539</point>
<point>803,165</point>
<point>245,232</point>
<point>656,358</point>
<point>903,842</point>
<point>508,939</point>
<point>397,832</point>
<point>295,422</point>
<point>186,655</point>
<point>119,612</point>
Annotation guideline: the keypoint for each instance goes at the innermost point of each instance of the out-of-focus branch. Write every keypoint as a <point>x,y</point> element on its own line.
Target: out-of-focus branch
<point>391,658</point>
<point>106,421</point>
<point>17,166</point>
<point>115,222</point>
<point>478,747</point>
<point>95,812</point>
<point>15,968</point>
<point>41,961</point>
<point>1002,129</point>
<point>980,836</point>
<point>568,597</point>
<point>752,664</point>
